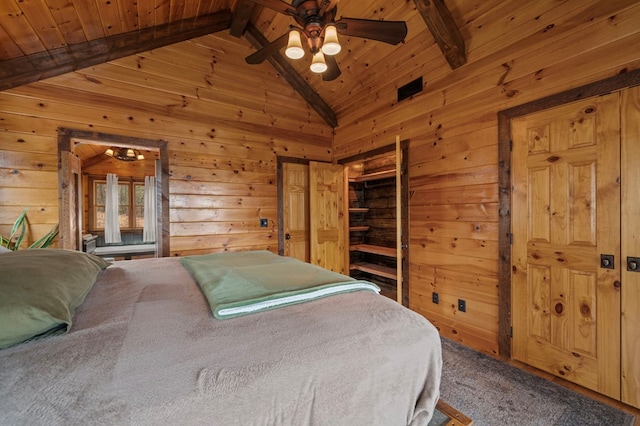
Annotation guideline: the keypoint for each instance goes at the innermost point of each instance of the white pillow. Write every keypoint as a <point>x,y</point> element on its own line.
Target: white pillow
<point>4,250</point>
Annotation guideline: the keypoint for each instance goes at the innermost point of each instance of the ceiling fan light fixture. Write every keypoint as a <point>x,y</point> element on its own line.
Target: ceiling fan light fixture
<point>318,65</point>
<point>331,45</point>
<point>124,154</point>
<point>294,46</point>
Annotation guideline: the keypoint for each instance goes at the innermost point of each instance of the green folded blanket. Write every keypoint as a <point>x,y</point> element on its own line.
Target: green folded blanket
<point>246,282</point>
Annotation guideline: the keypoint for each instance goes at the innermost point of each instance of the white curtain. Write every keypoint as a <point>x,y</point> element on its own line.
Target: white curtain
<point>111,223</point>
<point>149,231</point>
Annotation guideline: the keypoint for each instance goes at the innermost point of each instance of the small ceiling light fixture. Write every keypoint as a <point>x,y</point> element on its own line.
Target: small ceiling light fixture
<point>331,46</point>
<point>317,31</point>
<point>294,46</point>
<point>321,40</point>
<point>124,154</point>
<point>318,64</point>
<point>320,46</point>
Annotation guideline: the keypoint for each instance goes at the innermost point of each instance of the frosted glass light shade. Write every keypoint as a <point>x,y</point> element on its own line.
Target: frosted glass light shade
<point>318,65</point>
<point>331,46</point>
<point>294,46</point>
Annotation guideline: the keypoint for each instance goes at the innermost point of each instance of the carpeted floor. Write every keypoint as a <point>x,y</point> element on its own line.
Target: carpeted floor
<point>494,393</point>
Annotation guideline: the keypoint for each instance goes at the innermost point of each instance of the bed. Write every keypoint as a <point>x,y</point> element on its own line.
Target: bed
<point>144,348</point>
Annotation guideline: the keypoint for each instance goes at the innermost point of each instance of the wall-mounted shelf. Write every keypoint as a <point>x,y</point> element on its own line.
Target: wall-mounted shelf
<point>372,268</point>
<point>373,187</point>
<point>358,228</point>
<point>373,176</point>
<point>368,248</point>
<point>377,197</point>
<point>358,209</point>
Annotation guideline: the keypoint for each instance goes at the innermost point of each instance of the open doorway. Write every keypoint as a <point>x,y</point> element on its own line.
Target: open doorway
<point>84,161</point>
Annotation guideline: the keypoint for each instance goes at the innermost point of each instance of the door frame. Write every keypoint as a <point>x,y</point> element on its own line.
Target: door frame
<point>404,196</point>
<point>66,139</point>
<point>602,87</point>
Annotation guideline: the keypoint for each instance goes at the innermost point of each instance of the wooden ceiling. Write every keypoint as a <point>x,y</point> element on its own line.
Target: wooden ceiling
<point>44,38</point>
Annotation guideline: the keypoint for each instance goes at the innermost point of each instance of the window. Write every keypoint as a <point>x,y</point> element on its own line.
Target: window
<point>130,203</point>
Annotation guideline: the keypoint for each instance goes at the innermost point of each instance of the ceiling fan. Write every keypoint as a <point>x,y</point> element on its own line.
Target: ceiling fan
<point>316,20</point>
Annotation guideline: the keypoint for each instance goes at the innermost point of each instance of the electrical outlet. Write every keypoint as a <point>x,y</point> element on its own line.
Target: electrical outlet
<point>462,305</point>
<point>264,222</point>
<point>435,298</point>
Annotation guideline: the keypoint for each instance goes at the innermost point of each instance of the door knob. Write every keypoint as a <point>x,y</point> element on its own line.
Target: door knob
<point>633,264</point>
<point>606,261</point>
<point>287,236</point>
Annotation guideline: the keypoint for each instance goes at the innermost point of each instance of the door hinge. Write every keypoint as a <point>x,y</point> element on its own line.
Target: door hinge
<point>510,146</point>
<point>511,239</point>
<point>511,332</point>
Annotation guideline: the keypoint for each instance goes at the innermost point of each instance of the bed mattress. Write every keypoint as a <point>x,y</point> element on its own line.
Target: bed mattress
<point>145,349</point>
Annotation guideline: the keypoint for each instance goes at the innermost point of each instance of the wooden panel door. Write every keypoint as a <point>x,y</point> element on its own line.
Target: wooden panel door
<point>565,214</point>
<point>327,216</point>
<point>295,182</point>
<point>630,246</point>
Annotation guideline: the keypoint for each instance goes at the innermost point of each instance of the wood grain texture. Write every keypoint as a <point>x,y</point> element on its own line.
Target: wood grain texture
<point>217,114</point>
<point>444,30</point>
<point>223,139</point>
<point>34,67</point>
<point>630,234</point>
<point>453,127</point>
<point>566,210</point>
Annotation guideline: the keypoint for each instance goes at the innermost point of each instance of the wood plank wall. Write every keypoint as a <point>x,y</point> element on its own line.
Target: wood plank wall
<point>515,54</point>
<point>224,129</point>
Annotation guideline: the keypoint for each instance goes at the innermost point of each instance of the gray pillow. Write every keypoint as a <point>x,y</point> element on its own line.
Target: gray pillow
<point>40,290</point>
<point>4,250</point>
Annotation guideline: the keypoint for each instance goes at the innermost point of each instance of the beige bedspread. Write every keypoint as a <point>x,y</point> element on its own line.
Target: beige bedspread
<point>146,350</point>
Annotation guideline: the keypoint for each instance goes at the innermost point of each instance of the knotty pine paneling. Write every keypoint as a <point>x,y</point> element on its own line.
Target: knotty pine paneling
<point>135,169</point>
<point>224,131</point>
<point>534,50</point>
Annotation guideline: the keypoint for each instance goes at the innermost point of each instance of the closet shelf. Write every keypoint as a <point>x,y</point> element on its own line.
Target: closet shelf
<point>373,176</point>
<point>358,228</point>
<point>358,209</point>
<point>372,268</point>
<point>368,248</point>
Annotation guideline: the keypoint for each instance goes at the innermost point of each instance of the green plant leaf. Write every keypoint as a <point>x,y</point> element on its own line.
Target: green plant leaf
<point>19,222</point>
<point>18,232</point>
<point>18,226</point>
<point>4,242</point>
<point>47,239</point>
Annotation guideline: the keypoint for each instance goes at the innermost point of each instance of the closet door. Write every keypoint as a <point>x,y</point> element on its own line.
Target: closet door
<point>327,216</point>
<point>565,215</point>
<point>630,246</point>
<point>296,210</point>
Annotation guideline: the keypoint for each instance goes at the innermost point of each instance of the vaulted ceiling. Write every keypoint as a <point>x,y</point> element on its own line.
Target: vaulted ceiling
<point>44,38</point>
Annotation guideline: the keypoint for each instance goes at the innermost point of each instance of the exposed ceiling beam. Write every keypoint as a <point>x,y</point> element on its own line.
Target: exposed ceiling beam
<point>241,17</point>
<point>91,161</point>
<point>299,84</point>
<point>38,66</point>
<point>444,30</point>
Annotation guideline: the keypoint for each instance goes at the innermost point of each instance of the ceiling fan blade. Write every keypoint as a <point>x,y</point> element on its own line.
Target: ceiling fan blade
<point>392,32</point>
<point>259,56</point>
<point>278,6</point>
<point>326,5</point>
<point>333,70</point>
